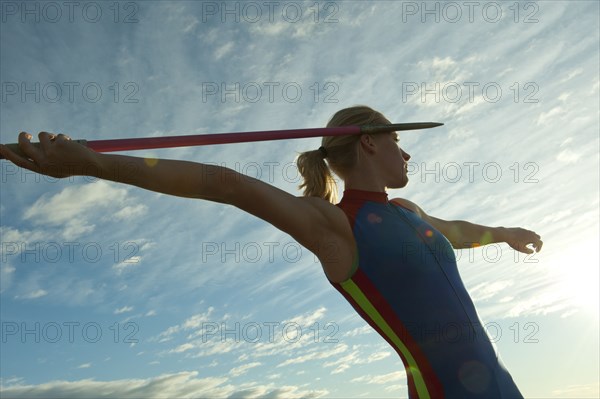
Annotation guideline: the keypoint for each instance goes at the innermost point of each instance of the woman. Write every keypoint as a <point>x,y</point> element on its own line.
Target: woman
<point>391,261</point>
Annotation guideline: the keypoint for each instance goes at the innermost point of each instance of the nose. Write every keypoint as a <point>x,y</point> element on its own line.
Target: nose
<point>405,155</point>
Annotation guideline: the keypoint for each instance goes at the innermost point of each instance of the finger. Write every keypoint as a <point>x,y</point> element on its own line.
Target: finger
<point>17,159</point>
<point>535,244</point>
<point>519,247</point>
<point>524,248</point>
<point>46,140</point>
<point>61,140</point>
<point>27,148</point>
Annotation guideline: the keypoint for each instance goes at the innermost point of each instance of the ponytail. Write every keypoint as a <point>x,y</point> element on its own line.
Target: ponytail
<point>318,180</point>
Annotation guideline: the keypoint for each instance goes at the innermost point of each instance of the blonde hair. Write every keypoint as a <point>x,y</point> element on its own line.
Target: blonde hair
<point>342,153</point>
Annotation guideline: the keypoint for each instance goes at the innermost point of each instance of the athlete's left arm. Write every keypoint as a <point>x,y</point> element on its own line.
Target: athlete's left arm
<point>463,234</point>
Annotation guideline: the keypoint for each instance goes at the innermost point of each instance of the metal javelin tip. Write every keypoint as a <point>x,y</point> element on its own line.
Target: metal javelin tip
<point>369,129</point>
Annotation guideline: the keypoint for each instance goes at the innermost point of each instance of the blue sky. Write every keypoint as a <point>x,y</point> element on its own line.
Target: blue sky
<point>108,290</point>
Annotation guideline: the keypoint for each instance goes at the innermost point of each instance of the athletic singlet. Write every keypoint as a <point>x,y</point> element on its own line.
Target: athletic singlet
<point>405,284</point>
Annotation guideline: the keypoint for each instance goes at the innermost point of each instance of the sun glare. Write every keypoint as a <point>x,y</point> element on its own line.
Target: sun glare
<point>579,271</point>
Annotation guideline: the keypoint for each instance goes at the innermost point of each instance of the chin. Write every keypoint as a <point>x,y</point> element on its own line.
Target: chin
<point>401,184</point>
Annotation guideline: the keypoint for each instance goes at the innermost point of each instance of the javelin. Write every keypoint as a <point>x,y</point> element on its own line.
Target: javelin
<point>147,143</point>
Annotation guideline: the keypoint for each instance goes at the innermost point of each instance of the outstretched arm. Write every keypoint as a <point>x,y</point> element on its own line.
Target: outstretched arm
<point>462,234</point>
<point>308,220</point>
<point>59,157</point>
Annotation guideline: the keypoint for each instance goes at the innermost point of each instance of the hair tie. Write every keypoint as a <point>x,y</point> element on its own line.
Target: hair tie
<point>323,151</point>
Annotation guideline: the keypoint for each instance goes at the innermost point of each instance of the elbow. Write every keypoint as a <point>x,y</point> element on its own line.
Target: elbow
<point>217,184</point>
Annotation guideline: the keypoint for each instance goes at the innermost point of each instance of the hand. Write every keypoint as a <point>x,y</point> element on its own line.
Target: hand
<point>520,239</point>
<point>56,155</point>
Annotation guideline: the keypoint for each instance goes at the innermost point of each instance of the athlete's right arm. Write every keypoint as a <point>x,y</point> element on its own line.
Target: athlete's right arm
<point>308,220</point>
<point>58,156</point>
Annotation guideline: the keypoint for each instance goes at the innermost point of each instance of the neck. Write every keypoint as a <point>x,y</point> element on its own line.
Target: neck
<point>366,180</point>
<point>364,187</point>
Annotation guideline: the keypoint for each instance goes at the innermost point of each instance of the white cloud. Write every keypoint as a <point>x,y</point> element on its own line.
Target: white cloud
<point>366,329</point>
<point>84,366</point>
<point>130,212</point>
<point>146,244</point>
<point>191,25</point>
<point>572,74</point>
<point>11,235</point>
<point>438,64</point>
<point>341,348</point>
<point>179,385</point>
<point>568,156</point>
<point>217,346</point>
<point>6,275</point>
<point>545,117</point>
<point>564,97</point>
<point>33,294</point>
<point>130,251</point>
<point>14,241</point>
<point>591,390</point>
<point>488,290</point>
<point>374,357</point>
<point>124,309</point>
<point>381,379</point>
<point>182,348</point>
<point>359,355</point>
<point>308,319</point>
<point>395,387</point>
<point>184,384</point>
<point>343,363</point>
<point>75,206</point>
<point>595,86</point>
<point>197,320</point>
<point>223,50</point>
<point>12,381</point>
<point>556,216</point>
<point>192,322</point>
<point>243,369</point>
<point>460,133</point>
<point>469,106</point>
<point>543,303</point>
<point>127,263</point>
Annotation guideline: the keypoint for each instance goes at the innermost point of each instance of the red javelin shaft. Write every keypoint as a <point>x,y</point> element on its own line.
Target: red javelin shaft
<point>217,138</point>
<point>146,143</point>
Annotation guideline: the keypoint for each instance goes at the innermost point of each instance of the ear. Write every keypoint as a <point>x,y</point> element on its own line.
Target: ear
<point>367,143</point>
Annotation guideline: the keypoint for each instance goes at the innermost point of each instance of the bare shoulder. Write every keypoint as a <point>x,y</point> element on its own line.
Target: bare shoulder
<point>443,226</point>
<point>316,224</point>
<point>333,216</point>
<point>409,205</point>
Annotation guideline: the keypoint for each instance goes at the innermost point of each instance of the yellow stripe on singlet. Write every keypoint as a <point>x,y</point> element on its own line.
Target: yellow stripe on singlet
<point>361,299</point>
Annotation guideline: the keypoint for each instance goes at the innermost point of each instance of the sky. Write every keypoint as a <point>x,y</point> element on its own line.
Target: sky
<point>108,290</point>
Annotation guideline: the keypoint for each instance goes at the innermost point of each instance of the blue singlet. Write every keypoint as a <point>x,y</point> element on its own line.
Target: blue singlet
<point>405,284</point>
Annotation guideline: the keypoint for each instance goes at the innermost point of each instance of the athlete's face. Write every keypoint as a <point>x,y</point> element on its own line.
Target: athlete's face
<point>394,160</point>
